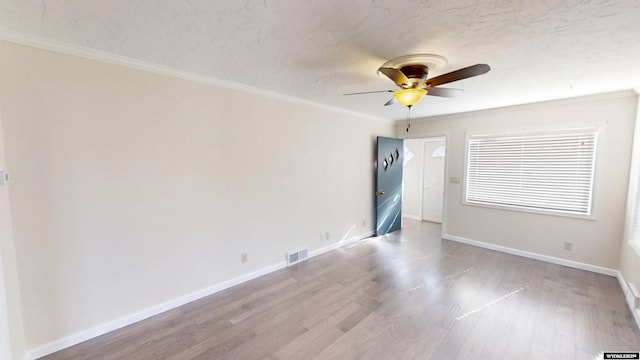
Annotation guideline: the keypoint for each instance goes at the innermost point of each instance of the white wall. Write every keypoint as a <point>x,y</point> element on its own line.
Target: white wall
<point>595,242</point>
<point>131,189</point>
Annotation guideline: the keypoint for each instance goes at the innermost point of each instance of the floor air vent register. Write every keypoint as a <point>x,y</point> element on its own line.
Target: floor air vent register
<point>297,256</point>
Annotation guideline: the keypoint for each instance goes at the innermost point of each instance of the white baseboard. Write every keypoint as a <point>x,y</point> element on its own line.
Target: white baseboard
<point>94,332</point>
<point>624,287</point>
<point>341,243</point>
<point>536,256</point>
<point>628,289</point>
<point>631,296</point>
<point>146,313</point>
<point>412,217</point>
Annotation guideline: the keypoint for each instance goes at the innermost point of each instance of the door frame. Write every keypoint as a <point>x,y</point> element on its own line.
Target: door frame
<point>426,136</point>
<point>5,331</point>
<point>423,142</point>
<point>5,339</point>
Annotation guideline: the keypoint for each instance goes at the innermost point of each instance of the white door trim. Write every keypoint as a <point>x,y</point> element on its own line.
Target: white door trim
<point>5,342</point>
<point>5,337</point>
<point>445,135</point>
<point>424,141</point>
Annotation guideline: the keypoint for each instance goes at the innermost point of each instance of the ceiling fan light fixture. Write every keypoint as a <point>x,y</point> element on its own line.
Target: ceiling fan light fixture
<point>409,97</point>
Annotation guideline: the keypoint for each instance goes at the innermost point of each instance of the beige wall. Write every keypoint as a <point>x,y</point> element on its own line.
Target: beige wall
<point>630,257</point>
<point>131,189</point>
<point>595,242</point>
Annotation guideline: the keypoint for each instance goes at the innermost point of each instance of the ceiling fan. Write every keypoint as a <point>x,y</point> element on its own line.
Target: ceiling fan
<point>410,73</point>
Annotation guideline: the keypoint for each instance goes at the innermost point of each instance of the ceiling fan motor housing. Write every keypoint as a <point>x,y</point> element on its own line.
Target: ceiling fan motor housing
<point>416,74</point>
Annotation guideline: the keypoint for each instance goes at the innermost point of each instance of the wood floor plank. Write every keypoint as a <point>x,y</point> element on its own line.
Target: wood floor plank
<point>407,295</point>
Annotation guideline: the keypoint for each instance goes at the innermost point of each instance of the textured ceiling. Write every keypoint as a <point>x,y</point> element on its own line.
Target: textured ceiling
<point>318,50</point>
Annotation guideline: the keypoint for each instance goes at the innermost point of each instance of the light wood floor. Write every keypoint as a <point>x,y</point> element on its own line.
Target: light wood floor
<point>409,295</point>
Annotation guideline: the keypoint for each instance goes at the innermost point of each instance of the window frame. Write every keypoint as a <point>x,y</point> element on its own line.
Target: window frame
<point>634,226</point>
<point>596,129</point>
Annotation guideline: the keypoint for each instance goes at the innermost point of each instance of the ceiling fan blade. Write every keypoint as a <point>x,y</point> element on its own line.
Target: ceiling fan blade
<point>444,92</point>
<point>368,92</point>
<point>463,73</point>
<point>391,101</point>
<point>395,75</point>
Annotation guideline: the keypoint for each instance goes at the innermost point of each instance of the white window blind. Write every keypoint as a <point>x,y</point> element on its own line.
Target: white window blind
<point>543,172</point>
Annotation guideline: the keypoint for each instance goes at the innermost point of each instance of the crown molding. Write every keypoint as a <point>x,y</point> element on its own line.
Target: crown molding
<point>102,56</point>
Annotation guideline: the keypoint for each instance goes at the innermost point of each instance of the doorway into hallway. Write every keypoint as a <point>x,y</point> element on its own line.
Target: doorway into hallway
<point>424,176</point>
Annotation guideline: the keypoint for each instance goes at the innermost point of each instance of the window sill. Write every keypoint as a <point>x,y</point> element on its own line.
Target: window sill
<point>534,211</point>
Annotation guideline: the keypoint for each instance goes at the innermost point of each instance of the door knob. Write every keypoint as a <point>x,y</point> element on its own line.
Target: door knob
<point>381,192</point>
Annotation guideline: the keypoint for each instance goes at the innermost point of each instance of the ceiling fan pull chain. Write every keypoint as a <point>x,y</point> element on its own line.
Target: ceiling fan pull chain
<point>408,117</point>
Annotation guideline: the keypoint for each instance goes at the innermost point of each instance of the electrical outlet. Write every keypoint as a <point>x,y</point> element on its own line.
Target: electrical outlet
<point>364,223</point>
<point>568,246</point>
<point>244,258</point>
<point>322,237</point>
<point>327,235</point>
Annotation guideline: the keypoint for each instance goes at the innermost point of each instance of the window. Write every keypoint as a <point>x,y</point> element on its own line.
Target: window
<point>548,172</point>
<point>440,151</point>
